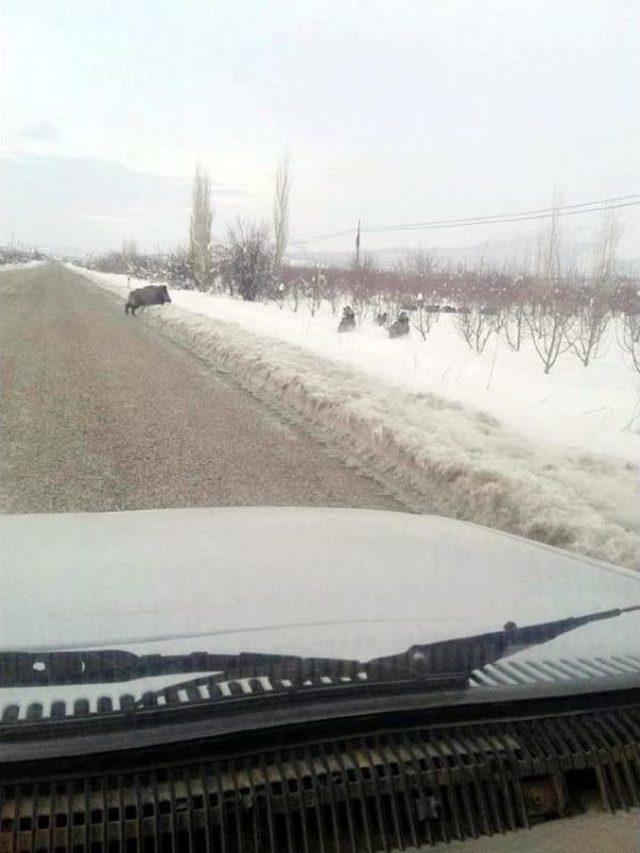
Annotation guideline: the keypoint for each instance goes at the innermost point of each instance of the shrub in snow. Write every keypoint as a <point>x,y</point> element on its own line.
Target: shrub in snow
<point>423,319</point>
<point>247,260</point>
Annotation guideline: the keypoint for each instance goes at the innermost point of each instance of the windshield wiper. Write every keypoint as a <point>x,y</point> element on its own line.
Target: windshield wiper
<point>436,663</point>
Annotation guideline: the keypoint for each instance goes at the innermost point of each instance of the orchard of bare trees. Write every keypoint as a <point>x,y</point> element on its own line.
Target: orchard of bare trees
<point>20,255</point>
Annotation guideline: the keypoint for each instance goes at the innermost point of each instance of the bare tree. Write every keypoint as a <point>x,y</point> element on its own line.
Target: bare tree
<point>594,314</point>
<point>332,293</point>
<point>629,338</point>
<point>590,324</point>
<point>177,267</point>
<point>477,327</point>
<point>200,249</point>
<point>550,325</point>
<point>422,319</point>
<point>548,259</point>
<point>247,260</point>
<point>281,213</point>
<point>361,293</point>
<point>549,320</point>
<point>605,261</point>
<point>418,263</point>
<point>315,290</point>
<point>515,317</point>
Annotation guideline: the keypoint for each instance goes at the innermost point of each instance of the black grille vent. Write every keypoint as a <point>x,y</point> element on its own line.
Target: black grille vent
<point>380,792</point>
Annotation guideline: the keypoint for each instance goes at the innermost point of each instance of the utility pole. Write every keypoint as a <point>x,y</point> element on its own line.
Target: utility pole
<point>358,245</point>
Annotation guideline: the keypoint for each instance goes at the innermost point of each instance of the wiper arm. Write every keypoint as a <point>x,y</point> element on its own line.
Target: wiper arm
<point>478,650</point>
<point>444,665</point>
<point>28,669</point>
<point>428,662</point>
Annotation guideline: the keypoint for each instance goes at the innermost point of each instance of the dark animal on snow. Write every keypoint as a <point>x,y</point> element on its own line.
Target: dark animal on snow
<point>400,327</point>
<point>348,321</point>
<point>447,309</point>
<point>382,319</point>
<point>152,294</point>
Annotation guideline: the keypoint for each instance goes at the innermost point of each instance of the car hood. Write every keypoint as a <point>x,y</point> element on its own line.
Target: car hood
<point>314,582</point>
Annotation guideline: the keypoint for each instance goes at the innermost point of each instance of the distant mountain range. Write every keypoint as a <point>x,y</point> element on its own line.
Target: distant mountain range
<point>516,252</point>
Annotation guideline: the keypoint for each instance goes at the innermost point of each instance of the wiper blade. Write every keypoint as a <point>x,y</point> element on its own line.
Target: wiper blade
<point>314,685</point>
<point>430,662</point>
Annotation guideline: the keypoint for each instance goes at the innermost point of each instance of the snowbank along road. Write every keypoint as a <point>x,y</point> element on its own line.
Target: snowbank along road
<point>100,412</point>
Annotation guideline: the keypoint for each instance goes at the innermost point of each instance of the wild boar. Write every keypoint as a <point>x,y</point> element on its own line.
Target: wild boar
<point>152,294</point>
<point>348,321</point>
<point>400,327</point>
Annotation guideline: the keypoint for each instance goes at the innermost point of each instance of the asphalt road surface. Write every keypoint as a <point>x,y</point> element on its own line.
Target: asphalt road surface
<point>99,412</point>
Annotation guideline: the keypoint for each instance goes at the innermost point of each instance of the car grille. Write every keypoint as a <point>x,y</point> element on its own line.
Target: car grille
<point>384,791</point>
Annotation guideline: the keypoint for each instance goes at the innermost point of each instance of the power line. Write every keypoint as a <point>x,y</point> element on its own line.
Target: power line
<point>568,210</point>
<point>492,219</point>
<point>562,210</point>
<point>541,213</point>
<point>497,221</point>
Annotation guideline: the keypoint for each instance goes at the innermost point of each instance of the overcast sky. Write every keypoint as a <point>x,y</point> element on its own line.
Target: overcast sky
<point>392,111</point>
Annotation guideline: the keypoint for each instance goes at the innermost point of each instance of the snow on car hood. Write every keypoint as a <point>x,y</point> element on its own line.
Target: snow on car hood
<point>316,582</point>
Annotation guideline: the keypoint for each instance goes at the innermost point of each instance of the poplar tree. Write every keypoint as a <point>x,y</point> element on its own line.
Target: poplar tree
<point>200,249</point>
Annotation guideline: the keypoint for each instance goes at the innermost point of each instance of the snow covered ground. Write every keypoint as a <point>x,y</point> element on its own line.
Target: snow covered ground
<point>572,406</point>
<point>489,438</point>
<point>21,266</point>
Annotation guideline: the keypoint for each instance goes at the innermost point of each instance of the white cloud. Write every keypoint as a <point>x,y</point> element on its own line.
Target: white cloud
<point>41,131</point>
<point>89,204</point>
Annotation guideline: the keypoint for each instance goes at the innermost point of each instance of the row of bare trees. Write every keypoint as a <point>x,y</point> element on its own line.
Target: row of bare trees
<point>372,287</point>
<point>570,314</point>
<point>20,254</point>
<point>549,327</point>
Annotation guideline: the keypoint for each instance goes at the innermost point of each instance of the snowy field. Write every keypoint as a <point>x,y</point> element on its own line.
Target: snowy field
<point>489,438</point>
<point>21,266</point>
<point>594,409</point>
